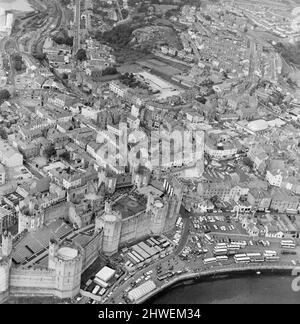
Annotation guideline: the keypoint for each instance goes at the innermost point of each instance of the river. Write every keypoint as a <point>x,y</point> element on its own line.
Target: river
<point>244,289</point>
<point>21,5</point>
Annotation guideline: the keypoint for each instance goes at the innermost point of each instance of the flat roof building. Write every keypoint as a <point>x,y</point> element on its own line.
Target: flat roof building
<point>105,274</point>
<point>9,156</point>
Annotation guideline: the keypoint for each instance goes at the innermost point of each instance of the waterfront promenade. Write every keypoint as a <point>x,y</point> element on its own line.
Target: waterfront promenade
<point>220,270</point>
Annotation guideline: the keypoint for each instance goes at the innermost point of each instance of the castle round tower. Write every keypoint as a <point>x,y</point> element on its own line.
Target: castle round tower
<point>111,223</point>
<point>158,210</point>
<point>66,260</point>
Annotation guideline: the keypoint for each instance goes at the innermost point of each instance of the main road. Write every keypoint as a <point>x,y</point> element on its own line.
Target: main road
<point>76,44</point>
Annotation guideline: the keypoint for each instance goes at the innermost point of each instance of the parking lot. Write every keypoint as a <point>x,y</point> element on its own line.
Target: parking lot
<point>217,223</point>
<point>222,230</point>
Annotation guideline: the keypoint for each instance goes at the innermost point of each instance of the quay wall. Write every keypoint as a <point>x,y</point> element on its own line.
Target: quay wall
<point>237,268</point>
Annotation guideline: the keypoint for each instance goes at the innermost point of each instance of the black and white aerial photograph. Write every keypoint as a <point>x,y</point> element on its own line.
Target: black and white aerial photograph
<point>150,157</point>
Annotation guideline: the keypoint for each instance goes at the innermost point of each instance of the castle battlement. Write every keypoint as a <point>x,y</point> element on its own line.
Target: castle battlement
<point>36,271</point>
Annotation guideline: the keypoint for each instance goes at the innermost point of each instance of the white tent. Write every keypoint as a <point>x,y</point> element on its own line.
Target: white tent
<point>141,290</point>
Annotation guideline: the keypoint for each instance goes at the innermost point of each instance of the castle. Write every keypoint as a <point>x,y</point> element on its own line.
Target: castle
<point>130,218</point>
<point>27,269</point>
<point>61,278</point>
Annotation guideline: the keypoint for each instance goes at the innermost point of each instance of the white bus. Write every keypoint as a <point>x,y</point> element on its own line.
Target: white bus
<point>220,248</point>
<point>222,258</point>
<point>241,255</point>
<point>288,244</point>
<point>233,247</point>
<point>209,260</point>
<point>253,255</point>
<point>270,253</point>
<point>272,258</point>
<point>238,242</point>
<point>237,245</point>
<point>287,241</point>
<point>258,259</point>
<point>220,251</point>
<point>242,260</point>
<point>220,245</point>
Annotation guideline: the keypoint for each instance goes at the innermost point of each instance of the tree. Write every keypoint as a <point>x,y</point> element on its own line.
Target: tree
<point>18,65</point>
<point>69,41</point>
<point>4,95</point>
<point>3,133</point>
<point>98,74</point>
<point>171,12</point>
<point>81,55</point>
<point>66,156</point>
<point>249,163</point>
<point>109,71</point>
<point>39,56</point>
<point>125,13</point>
<point>50,151</point>
<point>65,76</point>
<point>65,2</point>
<point>62,38</point>
<point>119,35</point>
